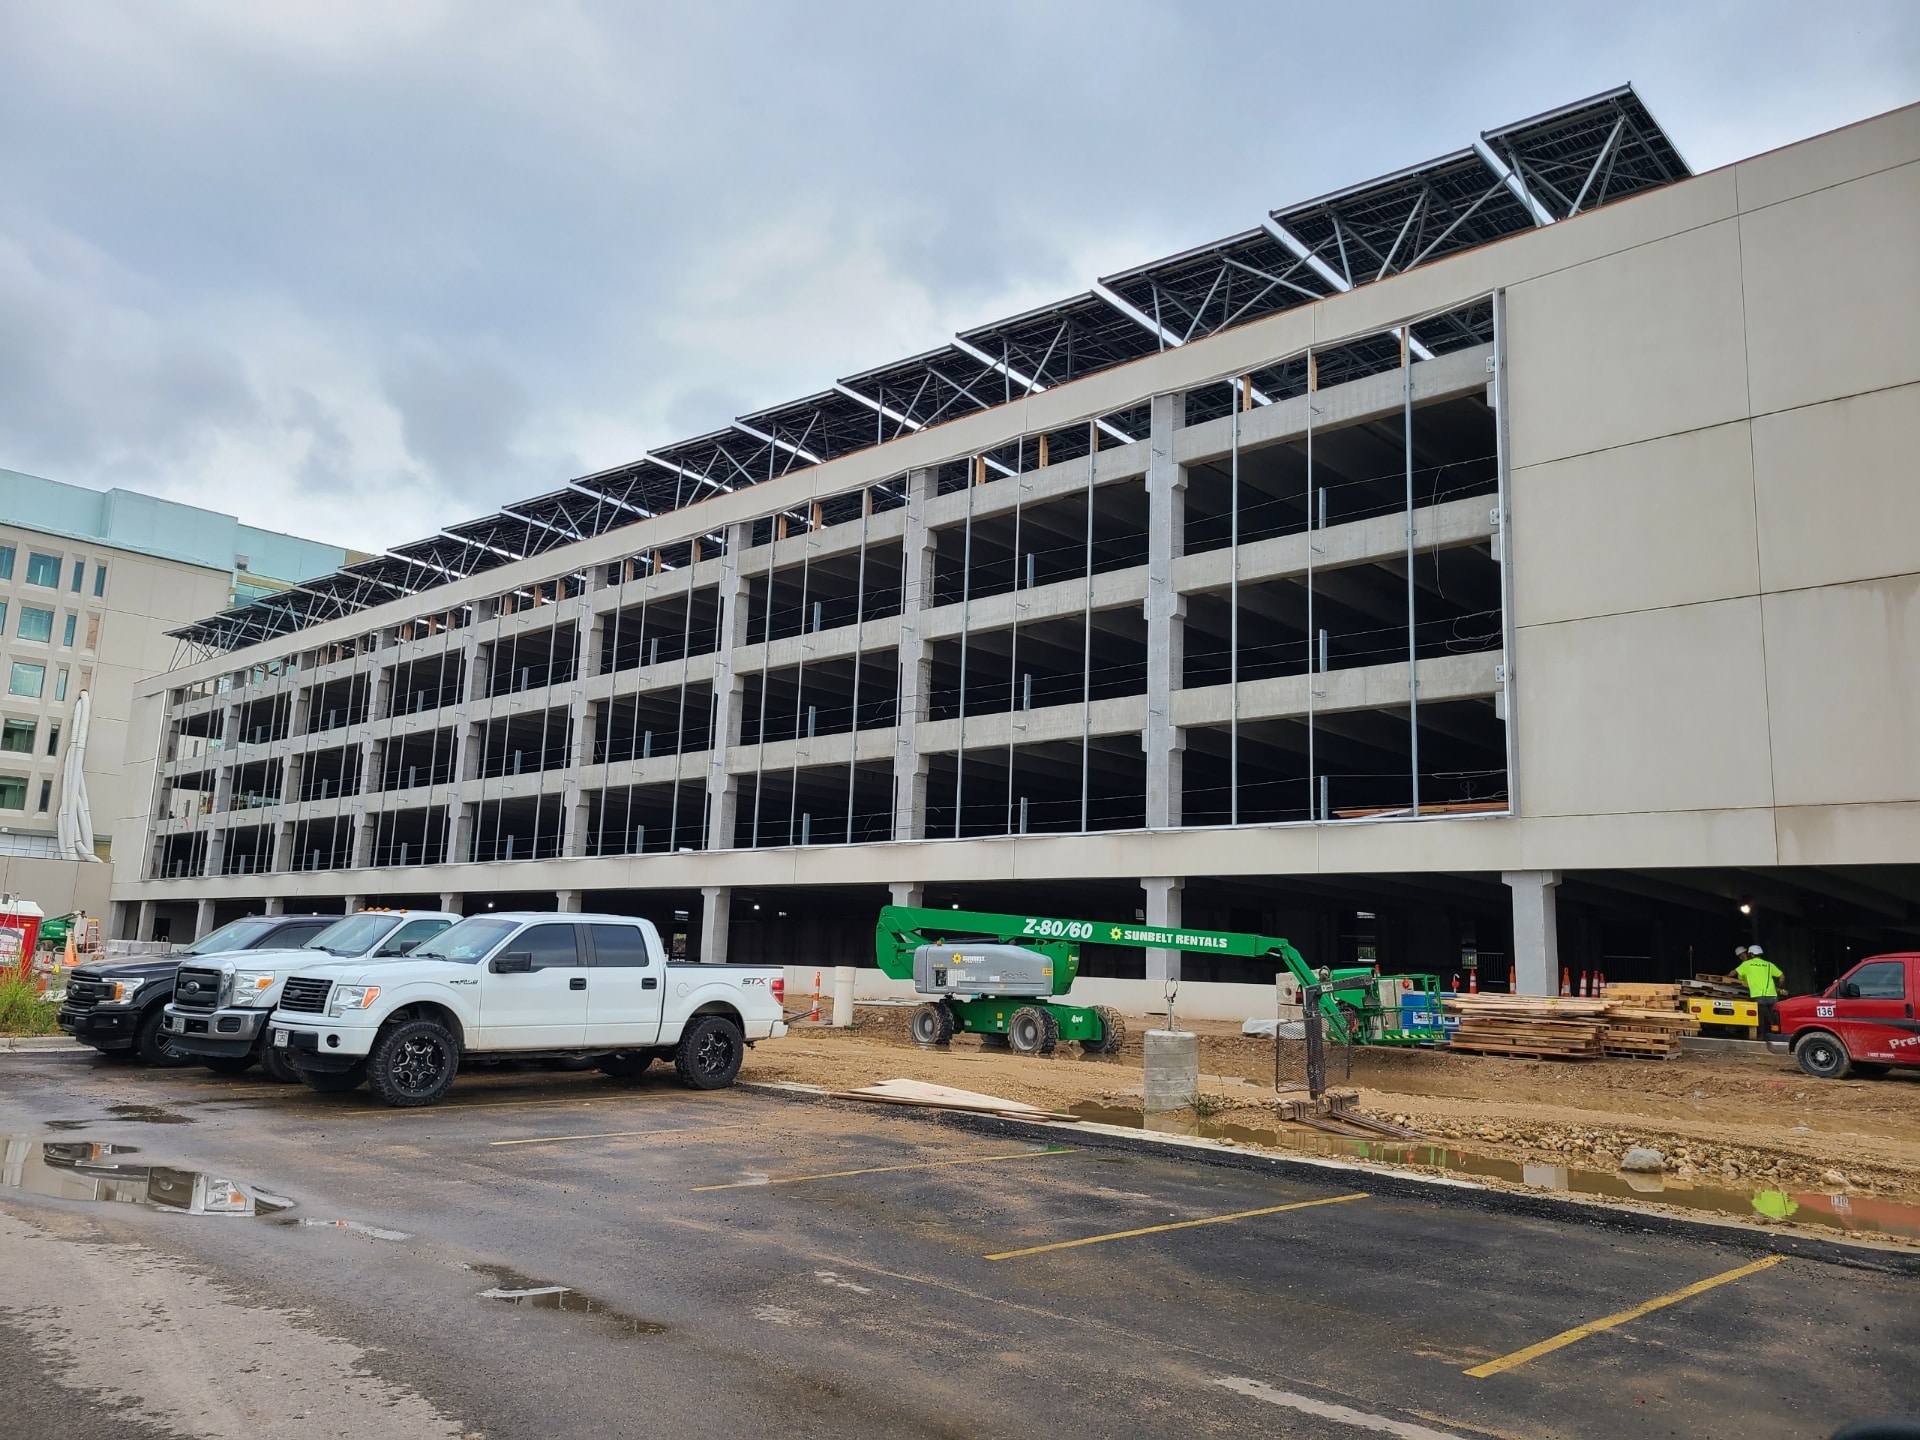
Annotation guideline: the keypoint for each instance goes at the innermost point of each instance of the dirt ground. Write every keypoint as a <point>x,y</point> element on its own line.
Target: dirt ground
<point>1729,1119</point>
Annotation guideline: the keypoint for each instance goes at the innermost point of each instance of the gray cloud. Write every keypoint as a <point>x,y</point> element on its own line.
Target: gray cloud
<point>423,257</point>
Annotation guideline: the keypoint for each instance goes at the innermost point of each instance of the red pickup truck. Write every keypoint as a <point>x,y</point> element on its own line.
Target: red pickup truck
<point>1862,1024</point>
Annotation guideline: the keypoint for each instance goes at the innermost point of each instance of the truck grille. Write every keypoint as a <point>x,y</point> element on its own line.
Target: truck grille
<point>196,989</point>
<point>307,996</point>
<point>85,994</point>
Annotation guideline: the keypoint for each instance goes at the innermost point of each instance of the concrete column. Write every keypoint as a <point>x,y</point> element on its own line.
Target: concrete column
<point>143,929</point>
<point>567,902</point>
<point>274,905</point>
<point>283,845</point>
<point>716,910</point>
<point>119,916</point>
<point>216,851</point>
<point>355,903</point>
<point>574,817</point>
<point>463,823</point>
<point>729,692</point>
<point>202,918</point>
<point>1163,913</point>
<point>908,894</point>
<point>1166,612</point>
<point>1536,932</point>
<point>451,902</point>
<point>916,662</point>
<point>365,827</point>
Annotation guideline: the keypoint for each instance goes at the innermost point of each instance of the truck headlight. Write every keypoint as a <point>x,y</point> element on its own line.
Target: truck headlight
<point>125,990</point>
<point>251,989</point>
<point>348,998</point>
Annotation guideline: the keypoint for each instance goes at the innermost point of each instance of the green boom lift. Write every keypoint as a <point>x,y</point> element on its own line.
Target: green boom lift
<point>997,976</point>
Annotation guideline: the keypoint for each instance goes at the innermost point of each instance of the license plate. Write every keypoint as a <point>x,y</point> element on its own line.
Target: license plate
<point>280,1038</point>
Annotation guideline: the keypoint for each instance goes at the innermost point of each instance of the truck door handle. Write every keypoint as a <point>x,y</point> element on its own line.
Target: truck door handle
<point>576,982</point>
<point>652,982</point>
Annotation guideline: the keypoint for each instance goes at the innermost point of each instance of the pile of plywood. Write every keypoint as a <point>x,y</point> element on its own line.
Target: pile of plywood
<point>1542,1027</point>
<point>1646,1021</point>
<point>1627,1020</point>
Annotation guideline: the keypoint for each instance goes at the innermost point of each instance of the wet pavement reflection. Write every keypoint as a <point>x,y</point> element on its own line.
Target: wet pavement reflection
<point>91,1171</point>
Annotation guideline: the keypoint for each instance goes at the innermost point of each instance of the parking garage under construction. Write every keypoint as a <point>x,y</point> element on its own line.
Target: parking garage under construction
<point>1501,564</point>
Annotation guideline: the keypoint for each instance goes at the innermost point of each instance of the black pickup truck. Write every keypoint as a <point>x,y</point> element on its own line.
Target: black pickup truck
<point>117,1008</point>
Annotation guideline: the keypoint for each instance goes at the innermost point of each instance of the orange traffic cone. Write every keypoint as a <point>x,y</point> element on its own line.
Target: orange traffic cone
<point>814,1013</point>
<point>1599,982</point>
<point>1473,982</point>
<point>1513,981</point>
<point>1566,981</point>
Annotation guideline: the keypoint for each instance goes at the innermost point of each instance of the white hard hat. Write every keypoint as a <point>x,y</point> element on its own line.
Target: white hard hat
<point>1753,950</point>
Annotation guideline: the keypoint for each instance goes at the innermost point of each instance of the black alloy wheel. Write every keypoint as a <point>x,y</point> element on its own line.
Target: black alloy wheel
<point>709,1053</point>
<point>413,1063</point>
<point>155,1047</point>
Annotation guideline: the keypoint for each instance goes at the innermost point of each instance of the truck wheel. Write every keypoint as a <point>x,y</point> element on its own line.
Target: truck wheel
<point>931,1024</point>
<point>230,1064</point>
<point>153,1046</point>
<point>1113,1033</point>
<point>1823,1057</point>
<point>335,1082</point>
<point>709,1053</point>
<point>279,1069</point>
<point>626,1064</point>
<point>1032,1031</point>
<point>413,1063</point>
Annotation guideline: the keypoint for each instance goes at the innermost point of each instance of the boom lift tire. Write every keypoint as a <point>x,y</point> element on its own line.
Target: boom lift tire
<point>1113,1033</point>
<point>931,1024</point>
<point>413,1063</point>
<point>709,1053</point>
<point>1823,1056</point>
<point>1032,1031</point>
<point>626,1064</point>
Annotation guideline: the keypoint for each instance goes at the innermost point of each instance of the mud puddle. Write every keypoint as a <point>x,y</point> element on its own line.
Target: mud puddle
<point>85,1170</point>
<point>514,1288</point>
<point>147,1115</point>
<point>1853,1214</point>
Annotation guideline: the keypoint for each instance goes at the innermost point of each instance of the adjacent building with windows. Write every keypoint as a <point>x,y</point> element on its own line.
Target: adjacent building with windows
<point>91,582</point>
<point>1512,563</point>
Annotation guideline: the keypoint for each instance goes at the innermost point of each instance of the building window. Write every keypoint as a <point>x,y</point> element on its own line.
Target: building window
<point>35,623</point>
<point>53,739</point>
<point>99,580</point>
<point>59,684</point>
<point>43,569</point>
<point>3,617</point>
<point>17,736</point>
<point>72,620</point>
<point>79,575</point>
<point>6,562</point>
<point>46,795</point>
<point>27,680</point>
<point>13,792</point>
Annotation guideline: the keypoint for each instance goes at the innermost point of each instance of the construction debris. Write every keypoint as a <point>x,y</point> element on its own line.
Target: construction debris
<point>1338,1113</point>
<point>1642,1021</point>
<point>946,1097</point>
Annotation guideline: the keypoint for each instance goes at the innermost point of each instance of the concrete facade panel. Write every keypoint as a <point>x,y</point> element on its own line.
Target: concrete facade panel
<point>1824,276</point>
<point>1644,343</point>
<point>1843,667</point>
<point>1835,490</point>
<point>1637,527</point>
<point>1848,834</point>
<point>1882,143</point>
<point>1653,710</point>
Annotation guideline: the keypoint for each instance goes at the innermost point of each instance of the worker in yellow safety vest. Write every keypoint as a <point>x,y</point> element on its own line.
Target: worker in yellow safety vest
<point>1762,978</point>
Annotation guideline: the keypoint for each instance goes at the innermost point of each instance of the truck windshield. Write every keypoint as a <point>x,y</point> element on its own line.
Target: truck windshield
<point>234,935</point>
<point>466,942</point>
<point>354,935</point>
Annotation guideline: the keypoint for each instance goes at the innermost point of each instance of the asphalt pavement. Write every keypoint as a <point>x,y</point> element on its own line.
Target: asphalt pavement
<point>554,1254</point>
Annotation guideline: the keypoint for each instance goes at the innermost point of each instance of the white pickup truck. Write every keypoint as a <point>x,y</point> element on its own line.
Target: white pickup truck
<point>523,985</point>
<point>220,1006</point>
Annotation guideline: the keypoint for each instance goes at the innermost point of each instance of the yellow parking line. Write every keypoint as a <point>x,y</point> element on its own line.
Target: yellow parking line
<point>1175,1225</point>
<point>619,1134</point>
<point>886,1169</point>
<point>1580,1332</point>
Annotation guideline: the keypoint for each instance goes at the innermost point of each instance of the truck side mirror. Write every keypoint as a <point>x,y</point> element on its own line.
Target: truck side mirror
<point>1850,990</point>
<point>515,962</point>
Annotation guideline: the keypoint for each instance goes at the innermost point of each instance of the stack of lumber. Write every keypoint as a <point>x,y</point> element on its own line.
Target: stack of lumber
<point>1544,1027</point>
<point>1646,1021</point>
<point>1627,1020</point>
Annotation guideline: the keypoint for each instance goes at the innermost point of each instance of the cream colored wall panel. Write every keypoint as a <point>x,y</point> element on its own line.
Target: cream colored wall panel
<point>1837,490</point>
<point>1653,840</point>
<point>1843,668</point>
<point>1655,710</point>
<point>1667,522</point>
<point>1848,834</point>
<point>1832,290</point>
<point>1626,348</point>
<point>1882,143</point>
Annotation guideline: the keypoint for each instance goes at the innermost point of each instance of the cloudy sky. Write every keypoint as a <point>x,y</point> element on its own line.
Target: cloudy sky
<point>362,268</point>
